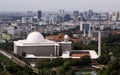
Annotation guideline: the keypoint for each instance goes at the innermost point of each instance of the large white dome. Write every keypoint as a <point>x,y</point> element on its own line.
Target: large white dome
<point>35,37</point>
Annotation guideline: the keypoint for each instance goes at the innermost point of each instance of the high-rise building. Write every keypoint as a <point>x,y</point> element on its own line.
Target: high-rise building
<point>76,14</point>
<point>27,20</point>
<point>118,15</point>
<point>58,18</point>
<point>67,17</point>
<point>39,14</point>
<point>84,26</point>
<point>61,12</point>
<point>29,13</point>
<point>90,14</point>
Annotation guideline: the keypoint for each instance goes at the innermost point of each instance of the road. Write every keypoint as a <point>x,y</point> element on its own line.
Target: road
<point>17,60</point>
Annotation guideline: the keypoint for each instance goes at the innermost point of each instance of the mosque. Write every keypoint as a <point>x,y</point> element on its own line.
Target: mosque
<point>35,46</point>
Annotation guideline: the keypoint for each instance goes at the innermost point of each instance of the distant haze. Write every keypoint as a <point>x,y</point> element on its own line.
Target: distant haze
<point>55,5</point>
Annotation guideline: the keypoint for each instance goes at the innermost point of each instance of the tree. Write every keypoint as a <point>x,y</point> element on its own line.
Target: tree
<point>13,68</point>
<point>87,74</point>
<point>47,64</point>
<point>45,71</point>
<point>43,63</point>
<point>103,59</point>
<point>4,73</point>
<point>112,67</point>
<point>85,60</point>
<point>60,71</point>
<point>23,72</point>
<point>67,65</point>
<point>7,46</point>
<point>75,62</point>
<point>114,73</point>
<point>57,62</point>
<point>70,72</point>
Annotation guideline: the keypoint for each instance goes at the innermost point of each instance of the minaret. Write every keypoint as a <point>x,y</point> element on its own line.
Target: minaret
<point>99,43</point>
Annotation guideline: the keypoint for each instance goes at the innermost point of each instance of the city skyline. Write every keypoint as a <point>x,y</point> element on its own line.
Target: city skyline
<point>55,5</point>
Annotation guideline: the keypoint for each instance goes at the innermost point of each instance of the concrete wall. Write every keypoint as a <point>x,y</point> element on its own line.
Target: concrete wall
<point>64,47</point>
<point>37,50</point>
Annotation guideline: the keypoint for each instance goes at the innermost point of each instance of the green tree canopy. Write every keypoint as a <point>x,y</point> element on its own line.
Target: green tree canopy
<point>70,72</point>
<point>112,67</point>
<point>85,60</point>
<point>103,59</point>
<point>67,65</point>
<point>60,71</point>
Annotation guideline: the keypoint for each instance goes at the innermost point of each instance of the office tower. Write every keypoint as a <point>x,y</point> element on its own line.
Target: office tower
<point>90,14</point>
<point>27,20</point>
<point>39,14</point>
<point>61,12</point>
<point>57,18</point>
<point>110,16</point>
<point>76,14</point>
<point>34,19</point>
<point>84,26</point>
<point>114,16</point>
<point>86,14</point>
<point>67,17</point>
<point>118,15</point>
<point>29,13</point>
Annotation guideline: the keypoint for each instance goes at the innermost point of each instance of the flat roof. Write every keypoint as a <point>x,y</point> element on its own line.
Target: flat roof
<point>79,55</point>
<point>91,53</point>
<point>27,43</point>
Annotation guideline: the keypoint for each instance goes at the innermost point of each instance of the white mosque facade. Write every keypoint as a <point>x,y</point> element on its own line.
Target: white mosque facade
<point>37,45</point>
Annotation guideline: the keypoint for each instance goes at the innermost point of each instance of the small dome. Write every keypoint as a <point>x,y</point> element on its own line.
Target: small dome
<point>35,37</point>
<point>66,37</point>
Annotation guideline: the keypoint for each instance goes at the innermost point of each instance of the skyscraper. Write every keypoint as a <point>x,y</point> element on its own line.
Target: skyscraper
<point>67,17</point>
<point>39,14</point>
<point>76,14</point>
<point>61,13</point>
<point>90,13</point>
<point>29,13</point>
<point>118,15</point>
<point>84,26</point>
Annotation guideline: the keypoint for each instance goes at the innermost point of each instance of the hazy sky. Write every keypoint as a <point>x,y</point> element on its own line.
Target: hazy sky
<point>54,5</point>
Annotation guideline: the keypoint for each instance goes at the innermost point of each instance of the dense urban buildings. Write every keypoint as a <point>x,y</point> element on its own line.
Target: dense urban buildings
<point>64,34</point>
<point>50,22</point>
<point>20,24</point>
<point>86,26</point>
